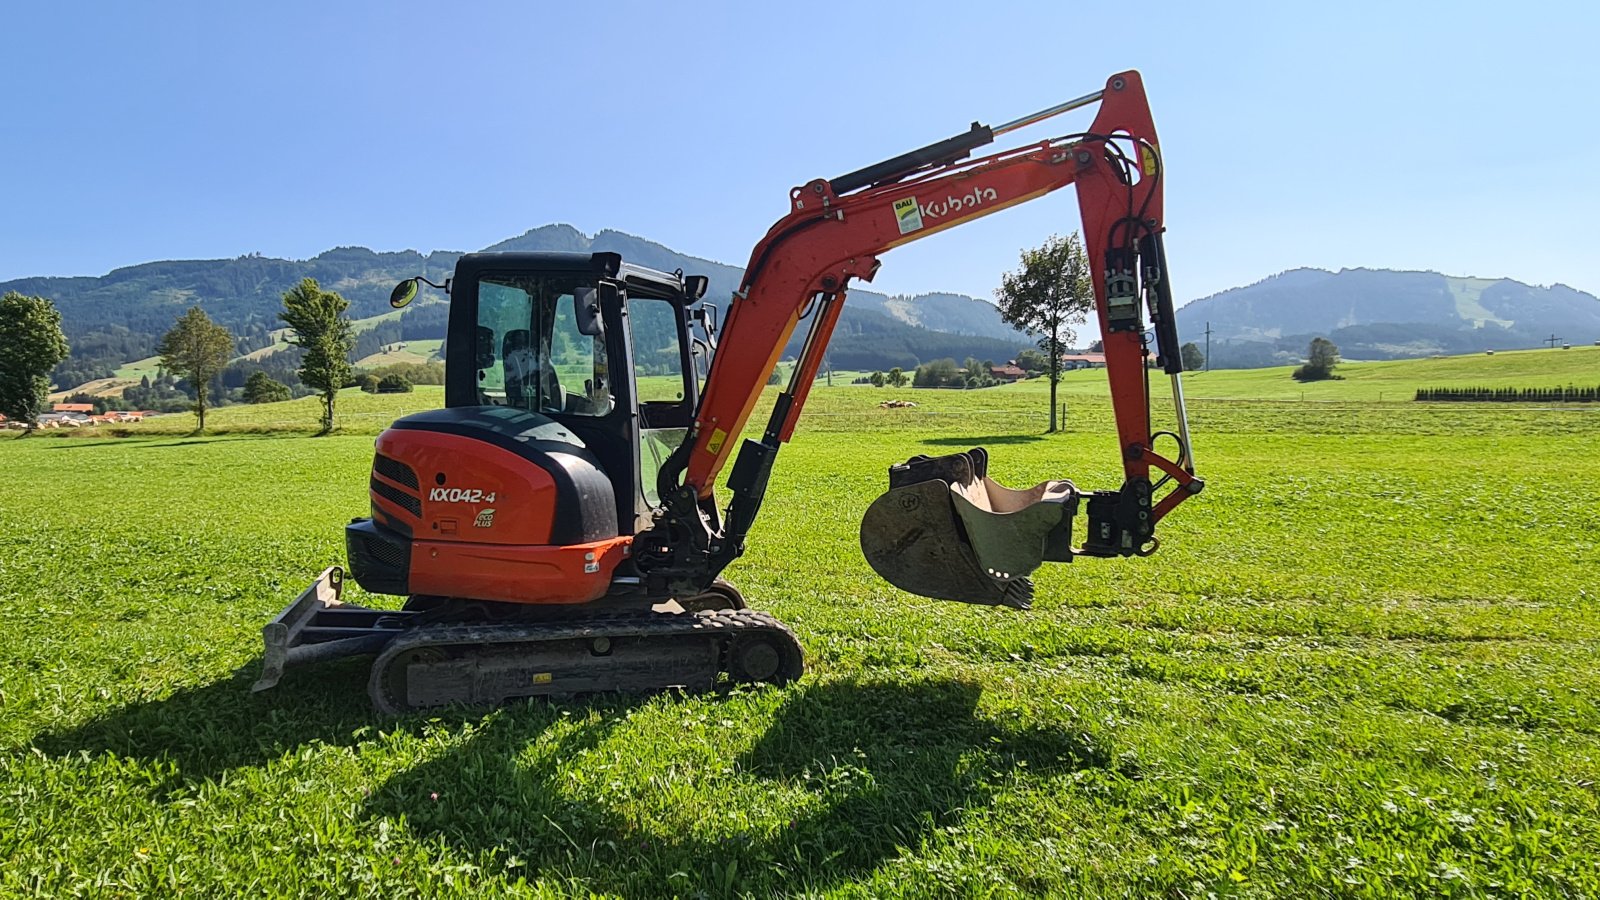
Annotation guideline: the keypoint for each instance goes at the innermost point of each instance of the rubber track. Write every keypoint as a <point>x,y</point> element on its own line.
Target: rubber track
<point>730,622</point>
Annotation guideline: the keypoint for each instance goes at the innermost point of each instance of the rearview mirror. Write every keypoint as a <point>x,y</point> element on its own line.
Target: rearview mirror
<point>586,303</point>
<point>404,293</point>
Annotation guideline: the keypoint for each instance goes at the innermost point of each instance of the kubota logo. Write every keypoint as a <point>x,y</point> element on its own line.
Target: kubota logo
<point>909,213</point>
<point>951,204</point>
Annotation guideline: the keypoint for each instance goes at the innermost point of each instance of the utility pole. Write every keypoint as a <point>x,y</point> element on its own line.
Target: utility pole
<point>1551,340</point>
<point>1208,347</point>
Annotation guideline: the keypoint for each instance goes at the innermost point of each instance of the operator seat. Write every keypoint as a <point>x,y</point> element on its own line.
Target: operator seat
<point>529,375</point>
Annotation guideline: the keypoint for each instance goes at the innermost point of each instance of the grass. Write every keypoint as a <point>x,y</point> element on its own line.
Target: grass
<point>1364,663</point>
<point>1395,380</point>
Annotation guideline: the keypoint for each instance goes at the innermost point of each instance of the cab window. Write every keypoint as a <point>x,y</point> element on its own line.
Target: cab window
<point>530,353</point>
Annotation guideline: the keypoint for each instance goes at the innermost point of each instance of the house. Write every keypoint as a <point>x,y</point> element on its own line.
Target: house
<point>85,408</point>
<point>1007,373</point>
<point>1083,361</point>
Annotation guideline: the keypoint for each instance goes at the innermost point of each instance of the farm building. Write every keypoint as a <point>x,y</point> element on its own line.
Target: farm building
<point>1083,361</point>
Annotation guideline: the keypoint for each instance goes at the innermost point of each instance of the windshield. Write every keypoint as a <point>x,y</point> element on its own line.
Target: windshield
<point>531,354</point>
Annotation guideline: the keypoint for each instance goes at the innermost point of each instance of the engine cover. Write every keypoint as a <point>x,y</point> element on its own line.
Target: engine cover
<point>488,503</point>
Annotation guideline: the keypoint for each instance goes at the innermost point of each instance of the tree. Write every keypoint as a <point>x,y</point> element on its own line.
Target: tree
<point>1322,356</point>
<point>394,384</point>
<point>876,379</point>
<point>1097,346</point>
<point>1193,359</point>
<point>368,382</point>
<point>197,349</point>
<point>1045,296</point>
<point>320,329</point>
<point>31,344</point>
<point>263,388</point>
<point>896,377</point>
<point>1033,362</point>
<point>938,373</point>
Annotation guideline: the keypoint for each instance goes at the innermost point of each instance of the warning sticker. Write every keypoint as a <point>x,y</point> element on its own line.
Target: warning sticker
<point>718,437</point>
<point>908,214</point>
<point>1147,160</point>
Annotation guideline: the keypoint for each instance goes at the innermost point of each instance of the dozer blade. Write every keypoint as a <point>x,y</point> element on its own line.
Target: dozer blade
<point>319,626</point>
<point>946,530</point>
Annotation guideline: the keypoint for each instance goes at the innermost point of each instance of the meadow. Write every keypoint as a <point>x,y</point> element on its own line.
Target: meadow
<point>1364,663</point>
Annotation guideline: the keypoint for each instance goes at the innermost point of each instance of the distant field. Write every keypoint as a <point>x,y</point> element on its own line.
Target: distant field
<point>1365,662</point>
<point>413,352</point>
<point>1393,380</point>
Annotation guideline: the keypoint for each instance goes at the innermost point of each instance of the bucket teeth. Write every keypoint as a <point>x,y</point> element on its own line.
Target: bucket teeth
<point>945,530</point>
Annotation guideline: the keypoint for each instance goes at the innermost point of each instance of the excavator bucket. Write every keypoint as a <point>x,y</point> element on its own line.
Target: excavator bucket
<point>946,530</point>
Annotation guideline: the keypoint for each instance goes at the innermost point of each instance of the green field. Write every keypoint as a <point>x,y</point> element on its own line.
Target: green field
<point>1388,381</point>
<point>1365,662</point>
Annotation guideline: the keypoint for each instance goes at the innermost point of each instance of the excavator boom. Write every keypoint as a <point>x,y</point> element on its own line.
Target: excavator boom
<point>834,232</point>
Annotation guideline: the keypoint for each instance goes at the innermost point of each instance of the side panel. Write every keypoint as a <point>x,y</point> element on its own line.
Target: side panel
<point>469,491</point>
<point>577,573</point>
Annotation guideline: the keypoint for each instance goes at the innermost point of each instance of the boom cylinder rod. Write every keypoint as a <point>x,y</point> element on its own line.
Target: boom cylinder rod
<point>1182,410</point>
<point>1043,114</point>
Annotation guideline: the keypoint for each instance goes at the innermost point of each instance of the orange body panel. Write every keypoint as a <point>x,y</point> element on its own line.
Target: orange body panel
<point>484,532</point>
<point>573,574</point>
<point>488,495</point>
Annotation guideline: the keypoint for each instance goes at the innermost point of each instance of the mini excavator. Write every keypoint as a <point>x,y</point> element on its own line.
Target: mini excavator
<point>554,527</point>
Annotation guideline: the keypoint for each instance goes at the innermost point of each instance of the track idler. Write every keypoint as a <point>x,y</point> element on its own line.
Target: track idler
<point>946,530</point>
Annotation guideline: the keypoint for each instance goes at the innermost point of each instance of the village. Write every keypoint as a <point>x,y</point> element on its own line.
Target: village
<point>78,415</point>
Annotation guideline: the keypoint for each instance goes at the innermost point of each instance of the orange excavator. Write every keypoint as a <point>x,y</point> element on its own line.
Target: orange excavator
<point>554,527</point>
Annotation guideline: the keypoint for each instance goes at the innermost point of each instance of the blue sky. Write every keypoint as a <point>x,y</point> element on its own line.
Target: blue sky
<point>1458,137</point>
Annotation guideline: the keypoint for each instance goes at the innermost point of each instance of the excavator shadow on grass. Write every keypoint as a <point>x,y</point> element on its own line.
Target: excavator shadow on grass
<point>889,764</point>
<point>209,729</point>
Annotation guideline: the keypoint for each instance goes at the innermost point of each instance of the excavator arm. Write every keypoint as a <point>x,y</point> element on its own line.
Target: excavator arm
<point>834,232</point>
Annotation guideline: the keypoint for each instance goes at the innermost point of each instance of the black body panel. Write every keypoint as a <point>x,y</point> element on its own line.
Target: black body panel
<point>380,559</point>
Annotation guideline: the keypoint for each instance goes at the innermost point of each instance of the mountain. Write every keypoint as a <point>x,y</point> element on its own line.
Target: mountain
<point>949,313</point>
<point>1382,314</point>
<point>120,316</point>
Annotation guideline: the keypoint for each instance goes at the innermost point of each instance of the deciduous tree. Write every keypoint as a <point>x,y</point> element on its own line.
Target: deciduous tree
<point>320,328</point>
<point>197,349</point>
<point>1032,361</point>
<point>263,388</point>
<point>1321,357</point>
<point>31,344</point>
<point>1045,296</point>
<point>394,384</point>
<point>1193,358</point>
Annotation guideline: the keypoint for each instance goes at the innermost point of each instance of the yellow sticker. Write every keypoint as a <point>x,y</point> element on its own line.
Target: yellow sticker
<point>908,214</point>
<point>718,436</point>
<point>1147,159</point>
<point>542,678</point>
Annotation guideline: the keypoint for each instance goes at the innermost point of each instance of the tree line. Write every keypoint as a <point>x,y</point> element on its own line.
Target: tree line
<point>197,358</point>
<point>1510,395</point>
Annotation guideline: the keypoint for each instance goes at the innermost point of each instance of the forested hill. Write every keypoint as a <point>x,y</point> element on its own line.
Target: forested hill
<point>120,316</point>
<point>1381,314</point>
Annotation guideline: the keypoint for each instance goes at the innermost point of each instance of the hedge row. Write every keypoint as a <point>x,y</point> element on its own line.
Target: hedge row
<point>1512,395</point>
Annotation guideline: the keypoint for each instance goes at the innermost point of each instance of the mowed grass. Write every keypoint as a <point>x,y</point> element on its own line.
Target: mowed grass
<point>1363,663</point>
<point>1395,380</point>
